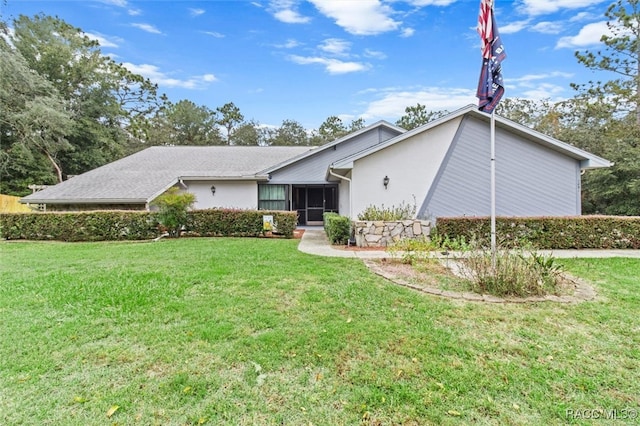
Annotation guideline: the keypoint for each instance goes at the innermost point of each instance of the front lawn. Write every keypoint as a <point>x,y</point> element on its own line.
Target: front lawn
<point>251,331</point>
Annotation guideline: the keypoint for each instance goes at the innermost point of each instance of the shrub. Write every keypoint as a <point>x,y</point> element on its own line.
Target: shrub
<point>137,225</point>
<point>577,232</point>
<point>515,273</point>
<point>412,250</point>
<point>338,228</point>
<point>79,226</point>
<point>404,211</point>
<point>239,223</point>
<point>173,206</point>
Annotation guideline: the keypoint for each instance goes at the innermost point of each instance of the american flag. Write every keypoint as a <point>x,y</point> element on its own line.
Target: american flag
<point>490,85</point>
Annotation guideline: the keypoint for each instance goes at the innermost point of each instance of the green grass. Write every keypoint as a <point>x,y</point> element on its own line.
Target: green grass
<point>251,331</point>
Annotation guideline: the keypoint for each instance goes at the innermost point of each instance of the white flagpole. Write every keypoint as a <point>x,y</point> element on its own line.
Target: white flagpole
<point>493,192</point>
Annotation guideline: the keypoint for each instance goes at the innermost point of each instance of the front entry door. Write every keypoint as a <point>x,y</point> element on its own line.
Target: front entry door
<point>312,201</point>
<point>315,206</point>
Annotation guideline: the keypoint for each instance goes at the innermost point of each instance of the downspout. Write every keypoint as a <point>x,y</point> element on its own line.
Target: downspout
<point>350,189</point>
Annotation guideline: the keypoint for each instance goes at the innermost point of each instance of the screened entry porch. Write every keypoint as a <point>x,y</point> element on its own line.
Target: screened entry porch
<point>310,201</point>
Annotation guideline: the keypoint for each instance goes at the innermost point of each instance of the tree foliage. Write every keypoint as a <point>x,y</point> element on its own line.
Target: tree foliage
<point>290,133</point>
<point>334,128</point>
<point>184,123</point>
<point>172,207</point>
<point>621,57</point>
<point>33,124</point>
<point>86,107</point>
<point>230,118</point>
<point>248,133</point>
<point>416,116</point>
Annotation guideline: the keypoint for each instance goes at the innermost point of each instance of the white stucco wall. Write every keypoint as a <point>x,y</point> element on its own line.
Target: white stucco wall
<point>343,197</point>
<point>410,164</point>
<point>229,194</point>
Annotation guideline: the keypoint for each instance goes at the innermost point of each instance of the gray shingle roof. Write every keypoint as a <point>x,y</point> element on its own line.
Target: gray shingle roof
<point>140,177</point>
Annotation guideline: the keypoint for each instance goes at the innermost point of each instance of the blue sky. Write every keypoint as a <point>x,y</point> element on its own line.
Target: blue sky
<point>307,60</point>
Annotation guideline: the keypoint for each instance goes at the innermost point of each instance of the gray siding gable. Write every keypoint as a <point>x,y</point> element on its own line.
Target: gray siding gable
<point>531,179</point>
<point>312,168</point>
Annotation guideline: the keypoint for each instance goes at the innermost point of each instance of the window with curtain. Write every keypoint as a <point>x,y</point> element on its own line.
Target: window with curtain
<point>272,197</point>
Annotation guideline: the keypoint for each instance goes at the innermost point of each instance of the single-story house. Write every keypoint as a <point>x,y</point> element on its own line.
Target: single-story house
<point>443,167</point>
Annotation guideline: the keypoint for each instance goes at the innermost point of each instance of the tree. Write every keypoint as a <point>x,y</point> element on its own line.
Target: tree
<point>416,116</point>
<point>248,134</point>
<point>542,115</point>
<point>184,123</point>
<point>106,103</point>
<point>231,118</point>
<point>333,128</point>
<point>621,57</point>
<point>173,206</point>
<point>356,125</point>
<point>33,124</point>
<point>611,110</point>
<point>291,133</point>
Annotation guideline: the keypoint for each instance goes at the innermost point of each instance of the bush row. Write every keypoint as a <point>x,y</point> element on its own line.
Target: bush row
<point>337,228</point>
<point>136,225</point>
<point>239,223</point>
<point>545,233</point>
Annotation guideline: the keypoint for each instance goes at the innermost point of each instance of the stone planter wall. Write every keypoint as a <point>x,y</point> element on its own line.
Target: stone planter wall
<point>384,233</point>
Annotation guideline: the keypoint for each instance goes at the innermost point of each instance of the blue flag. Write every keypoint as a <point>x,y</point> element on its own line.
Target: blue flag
<point>490,84</point>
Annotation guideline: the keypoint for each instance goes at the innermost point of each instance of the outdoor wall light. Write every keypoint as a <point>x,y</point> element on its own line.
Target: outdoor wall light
<point>213,190</point>
<point>385,181</point>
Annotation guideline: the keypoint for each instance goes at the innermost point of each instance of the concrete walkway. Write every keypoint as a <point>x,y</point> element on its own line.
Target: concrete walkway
<point>314,241</point>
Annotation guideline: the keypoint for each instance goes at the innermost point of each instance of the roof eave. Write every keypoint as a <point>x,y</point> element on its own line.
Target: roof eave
<point>227,178</point>
<point>83,201</point>
<point>315,150</point>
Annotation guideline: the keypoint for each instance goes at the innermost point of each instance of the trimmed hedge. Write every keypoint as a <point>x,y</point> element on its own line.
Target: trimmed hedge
<point>238,223</point>
<point>79,226</point>
<point>136,225</point>
<point>337,228</point>
<point>545,233</point>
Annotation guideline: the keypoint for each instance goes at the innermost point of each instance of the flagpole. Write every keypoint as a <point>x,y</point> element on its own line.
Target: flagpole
<point>493,192</point>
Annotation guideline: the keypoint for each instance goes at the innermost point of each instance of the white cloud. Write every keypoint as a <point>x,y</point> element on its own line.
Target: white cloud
<point>431,2</point>
<point>538,86</point>
<point>147,27</point>
<point>513,27</point>
<point>213,34</point>
<point>335,46</point>
<point>104,42</point>
<point>332,66</point>
<point>289,16</point>
<point>544,91</point>
<point>547,27</point>
<point>289,44</point>
<point>119,3</point>
<point>589,35</point>
<point>123,3</point>
<point>196,12</point>
<point>407,32</point>
<point>583,16</point>
<point>154,74</point>
<point>374,54</point>
<point>541,7</point>
<point>284,11</point>
<point>362,17</point>
<point>392,102</point>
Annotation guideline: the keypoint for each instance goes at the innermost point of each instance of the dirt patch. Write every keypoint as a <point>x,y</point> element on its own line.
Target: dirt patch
<point>438,277</point>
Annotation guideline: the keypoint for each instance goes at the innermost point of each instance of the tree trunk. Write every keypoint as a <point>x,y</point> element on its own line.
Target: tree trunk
<point>55,166</point>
